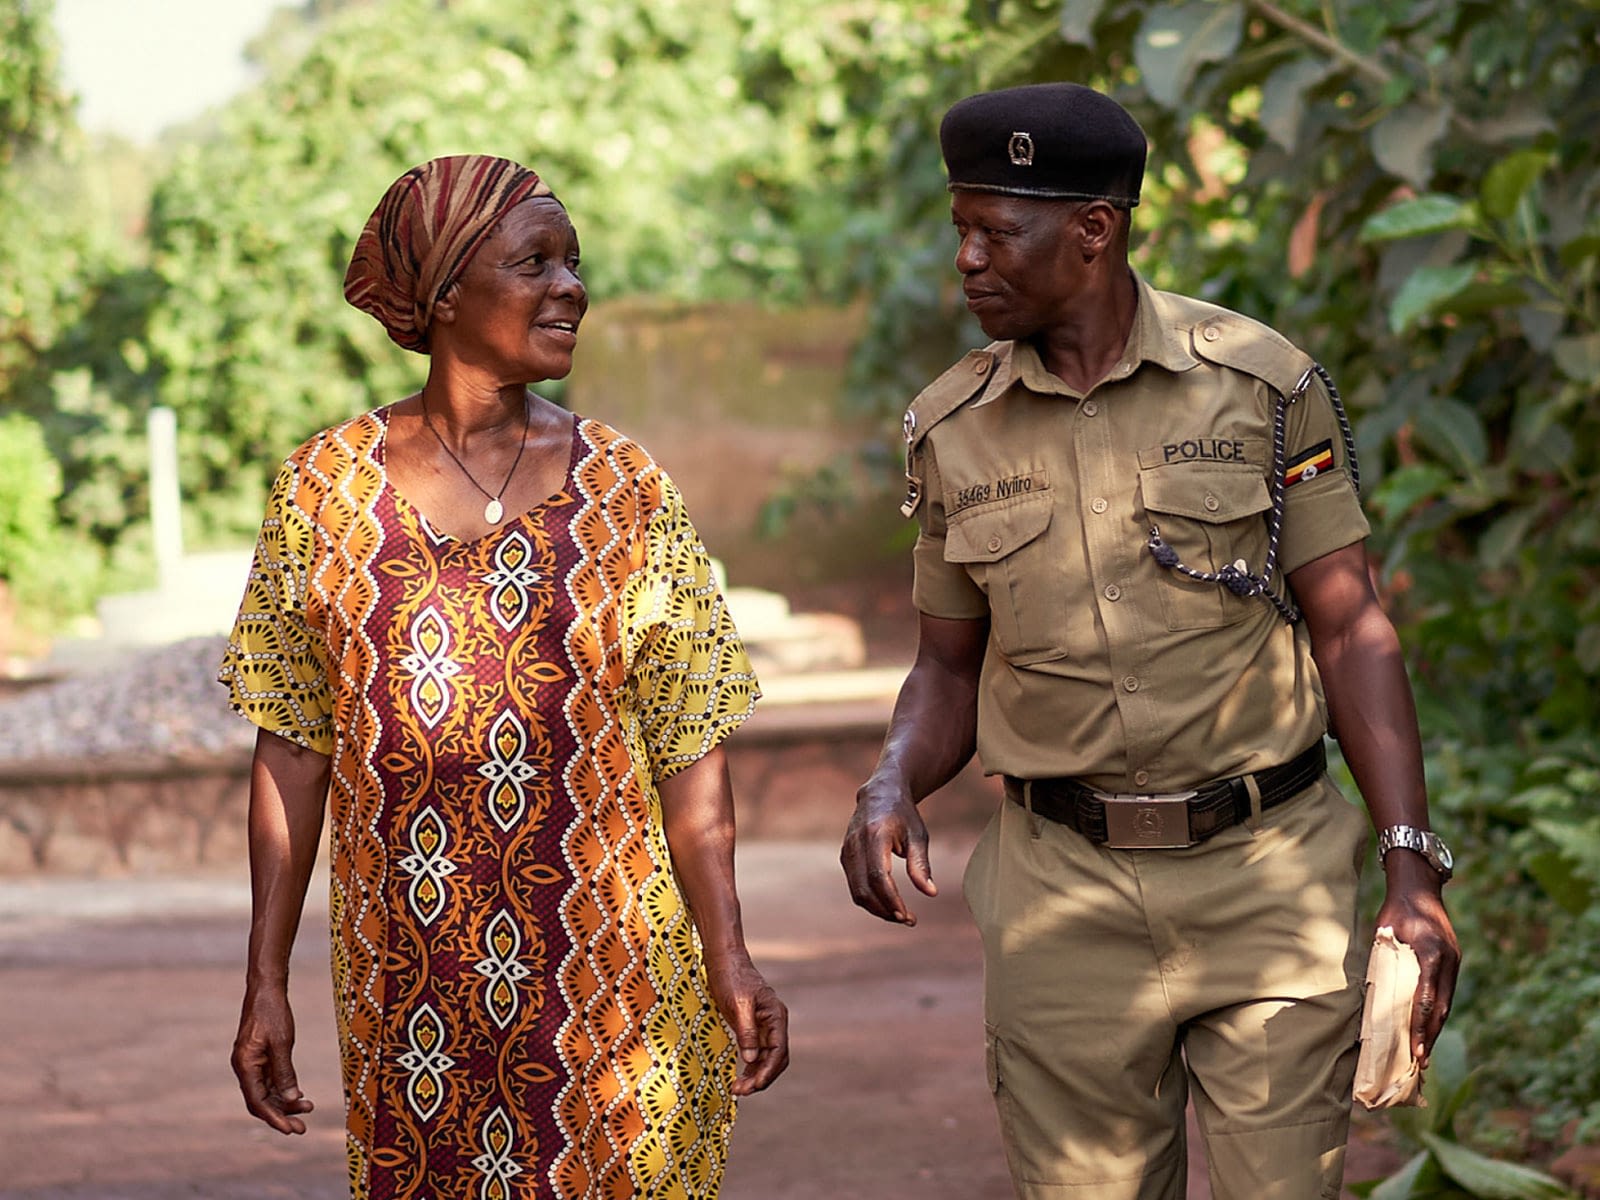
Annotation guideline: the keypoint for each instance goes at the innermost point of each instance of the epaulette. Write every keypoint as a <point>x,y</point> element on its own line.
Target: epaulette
<point>937,401</point>
<point>1231,340</point>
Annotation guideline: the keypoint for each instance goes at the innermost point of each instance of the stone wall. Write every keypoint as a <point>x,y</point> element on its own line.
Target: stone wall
<point>795,771</point>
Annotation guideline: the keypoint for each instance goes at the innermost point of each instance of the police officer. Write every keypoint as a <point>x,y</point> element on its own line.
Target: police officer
<point>1143,598</point>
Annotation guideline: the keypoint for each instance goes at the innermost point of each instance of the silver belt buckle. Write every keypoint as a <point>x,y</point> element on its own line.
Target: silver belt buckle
<point>1143,822</point>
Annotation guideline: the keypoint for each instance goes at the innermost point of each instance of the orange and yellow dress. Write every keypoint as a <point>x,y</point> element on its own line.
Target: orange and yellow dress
<point>521,1003</point>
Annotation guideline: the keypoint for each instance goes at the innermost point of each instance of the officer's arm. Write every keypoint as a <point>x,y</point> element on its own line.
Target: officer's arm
<point>1369,699</point>
<point>931,737</point>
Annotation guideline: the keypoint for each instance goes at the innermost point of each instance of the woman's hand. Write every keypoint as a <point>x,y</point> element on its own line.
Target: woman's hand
<point>759,1019</point>
<point>262,1059</point>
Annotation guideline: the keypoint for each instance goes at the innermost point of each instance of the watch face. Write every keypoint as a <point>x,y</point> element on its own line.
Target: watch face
<point>1440,851</point>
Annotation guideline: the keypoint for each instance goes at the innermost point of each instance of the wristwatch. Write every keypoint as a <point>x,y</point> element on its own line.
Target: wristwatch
<point>1424,841</point>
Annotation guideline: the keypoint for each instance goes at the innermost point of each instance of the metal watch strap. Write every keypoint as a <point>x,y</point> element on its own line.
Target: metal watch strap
<point>1421,841</point>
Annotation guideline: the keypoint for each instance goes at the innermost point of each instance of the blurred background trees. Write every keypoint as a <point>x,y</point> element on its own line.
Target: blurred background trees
<point>1410,191</point>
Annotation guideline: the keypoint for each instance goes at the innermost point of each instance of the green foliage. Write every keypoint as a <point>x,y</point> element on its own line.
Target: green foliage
<point>47,570</point>
<point>1443,1168</point>
<point>705,151</point>
<point>32,105</point>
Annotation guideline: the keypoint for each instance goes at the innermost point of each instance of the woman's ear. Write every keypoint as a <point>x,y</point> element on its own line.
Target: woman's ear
<point>444,312</point>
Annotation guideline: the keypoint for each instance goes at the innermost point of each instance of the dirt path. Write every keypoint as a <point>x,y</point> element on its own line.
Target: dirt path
<point>120,999</point>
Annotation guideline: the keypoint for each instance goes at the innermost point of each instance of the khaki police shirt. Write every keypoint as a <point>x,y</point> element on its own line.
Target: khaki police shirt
<point>1037,504</point>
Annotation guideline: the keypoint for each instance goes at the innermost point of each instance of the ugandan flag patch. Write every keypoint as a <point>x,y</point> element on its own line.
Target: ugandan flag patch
<point>1309,465</point>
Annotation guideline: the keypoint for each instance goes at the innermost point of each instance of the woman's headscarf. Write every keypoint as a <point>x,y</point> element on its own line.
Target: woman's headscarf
<point>423,233</point>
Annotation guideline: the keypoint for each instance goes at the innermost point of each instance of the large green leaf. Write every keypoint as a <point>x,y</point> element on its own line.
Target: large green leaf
<point>1283,98</point>
<point>1175,42</point>
<point>1509,179</point>
<point>1579,357</point>
<point>1403,490</point>
<point>1403,141</point>
<point>1399,1185</point>
<point>1432,213</point>
<point>1491,1179</point>
<point>1454,431</point>
<point>1556,874</point>
<point>1426,290</point>
<point>1077,21</point>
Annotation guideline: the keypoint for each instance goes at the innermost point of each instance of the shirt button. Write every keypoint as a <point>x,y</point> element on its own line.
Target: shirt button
<point>980,367</point>
<point>1113,592</point>
<point>1099,504</point>
<point>1130,683</point>
<point>994,544</point>
<point>1212,333</point>
<point>1211,503</point>
<point>1140,778</point>
<point>1090,409</point>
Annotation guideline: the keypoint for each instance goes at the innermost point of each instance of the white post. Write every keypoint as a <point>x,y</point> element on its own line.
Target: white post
<point>166,502</point>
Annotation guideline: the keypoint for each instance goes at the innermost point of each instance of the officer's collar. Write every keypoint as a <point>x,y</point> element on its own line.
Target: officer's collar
<point>1151,340</point>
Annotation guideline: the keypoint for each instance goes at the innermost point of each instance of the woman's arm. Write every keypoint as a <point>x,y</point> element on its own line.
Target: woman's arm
<point>697,808</point>
<point>288,794</point>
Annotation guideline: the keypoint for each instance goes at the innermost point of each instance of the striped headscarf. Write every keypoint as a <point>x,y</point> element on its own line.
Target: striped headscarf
<point>423,233</point>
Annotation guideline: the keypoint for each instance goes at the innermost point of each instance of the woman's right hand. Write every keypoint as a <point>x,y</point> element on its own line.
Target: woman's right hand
<point>262,1060</point>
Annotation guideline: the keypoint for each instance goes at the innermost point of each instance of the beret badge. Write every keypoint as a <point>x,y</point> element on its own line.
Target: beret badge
<point>1020,149</point>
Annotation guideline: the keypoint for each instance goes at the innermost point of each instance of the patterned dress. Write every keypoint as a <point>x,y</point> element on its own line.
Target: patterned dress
<point>521,1003</point>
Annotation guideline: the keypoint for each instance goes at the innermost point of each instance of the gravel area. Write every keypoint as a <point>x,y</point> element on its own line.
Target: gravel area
<point>163,701</point>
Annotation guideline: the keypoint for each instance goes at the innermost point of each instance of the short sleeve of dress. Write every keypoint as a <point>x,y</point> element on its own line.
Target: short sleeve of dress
<point>939,588</point>
<point>1321,511</point>
<point>690,675</point>
<point>275,667</point>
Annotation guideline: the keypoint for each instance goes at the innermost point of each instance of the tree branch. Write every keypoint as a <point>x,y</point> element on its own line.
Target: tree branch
<point>1330,46</point>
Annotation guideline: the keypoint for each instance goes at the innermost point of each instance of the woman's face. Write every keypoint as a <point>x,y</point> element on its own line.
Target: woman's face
<point>519,302</point>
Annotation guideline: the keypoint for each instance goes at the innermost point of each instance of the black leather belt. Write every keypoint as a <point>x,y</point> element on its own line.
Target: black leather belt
<point>1165,822</point>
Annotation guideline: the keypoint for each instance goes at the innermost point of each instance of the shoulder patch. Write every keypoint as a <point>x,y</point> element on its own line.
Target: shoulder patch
<point>947,393</point>
<point>1231,340</point>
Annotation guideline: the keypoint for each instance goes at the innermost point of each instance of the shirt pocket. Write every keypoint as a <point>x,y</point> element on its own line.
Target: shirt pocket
<point>1211,516</point>
<point>1006,550</point>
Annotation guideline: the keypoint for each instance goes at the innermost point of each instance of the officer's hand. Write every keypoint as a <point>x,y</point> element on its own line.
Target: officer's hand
<point>885,823</point>
<point>1414,908</point>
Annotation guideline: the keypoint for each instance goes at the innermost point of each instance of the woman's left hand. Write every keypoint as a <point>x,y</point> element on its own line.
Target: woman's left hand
<point>760,1020</point>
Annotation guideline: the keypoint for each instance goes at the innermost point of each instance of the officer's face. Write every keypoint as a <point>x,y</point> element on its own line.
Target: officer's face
<point>1020,268</point>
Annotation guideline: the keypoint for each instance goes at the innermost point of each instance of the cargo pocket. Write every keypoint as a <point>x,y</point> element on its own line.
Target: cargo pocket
<point>1003,548</point>
<point>1212,516</point>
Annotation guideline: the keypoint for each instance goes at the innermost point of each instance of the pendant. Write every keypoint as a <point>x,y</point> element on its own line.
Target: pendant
<point>493,511</point>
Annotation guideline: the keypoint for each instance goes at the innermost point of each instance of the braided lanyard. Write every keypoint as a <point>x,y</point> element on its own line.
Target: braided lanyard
<point>1236,576</point>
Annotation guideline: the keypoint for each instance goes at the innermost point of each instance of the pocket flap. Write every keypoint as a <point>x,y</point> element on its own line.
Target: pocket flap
<point>1215,494</point>
<point>990,534</point>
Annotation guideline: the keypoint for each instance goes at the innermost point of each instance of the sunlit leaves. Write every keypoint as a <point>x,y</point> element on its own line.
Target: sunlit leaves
<point>1509,180</point>
<point>1432,213</point>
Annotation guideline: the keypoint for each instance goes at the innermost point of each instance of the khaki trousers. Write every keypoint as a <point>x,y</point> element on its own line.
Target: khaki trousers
<point>1117,981</point>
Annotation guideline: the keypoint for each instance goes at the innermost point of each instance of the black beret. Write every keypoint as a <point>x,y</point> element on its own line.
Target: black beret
<point>1057,141</point>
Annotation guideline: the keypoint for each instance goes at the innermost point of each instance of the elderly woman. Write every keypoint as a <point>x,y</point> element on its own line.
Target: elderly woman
<point>483,632</point>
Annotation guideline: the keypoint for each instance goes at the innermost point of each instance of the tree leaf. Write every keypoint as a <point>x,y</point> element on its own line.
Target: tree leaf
<point>1509,179</point>
<point>1578,357</point>
<point>1427,289</point>
<point>1403,490</point>
<point>1174,43</point>
<point>1491,1179</point>
<point>1398,1186</point>
<point>1403,141</point>
<point>1432,213</point>
<point>1559,878</point>
<point>1077,21</point>
<point>1504,538</point>
<point>1283,98</point>
<point>1453,431</point>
